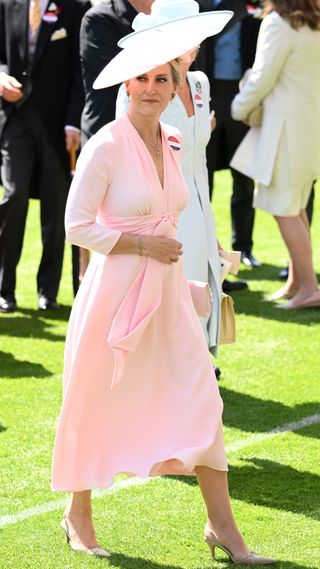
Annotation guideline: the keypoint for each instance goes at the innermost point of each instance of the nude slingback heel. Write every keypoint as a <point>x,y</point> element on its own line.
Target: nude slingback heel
<point>251,558</point>
<point>96,551</point>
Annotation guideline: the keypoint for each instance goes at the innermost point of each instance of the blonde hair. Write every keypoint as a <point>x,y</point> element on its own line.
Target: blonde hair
<point>175,72</point>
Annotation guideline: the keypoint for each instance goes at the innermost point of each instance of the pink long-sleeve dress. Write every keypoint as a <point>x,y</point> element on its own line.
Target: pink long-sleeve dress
<point>140,394</point>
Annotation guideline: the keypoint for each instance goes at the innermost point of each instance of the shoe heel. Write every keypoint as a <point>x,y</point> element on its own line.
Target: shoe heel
<point>212,548</point>
<point>65,529</point>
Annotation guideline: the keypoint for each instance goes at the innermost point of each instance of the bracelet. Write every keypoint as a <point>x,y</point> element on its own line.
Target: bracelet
<point>140,246</point>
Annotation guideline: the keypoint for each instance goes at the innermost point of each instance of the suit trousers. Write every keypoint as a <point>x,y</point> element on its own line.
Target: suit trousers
<point>224,141</point>
<point>28,158</point>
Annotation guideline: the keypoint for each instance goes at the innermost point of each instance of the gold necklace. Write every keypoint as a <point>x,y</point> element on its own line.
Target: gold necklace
<point>155,147</point>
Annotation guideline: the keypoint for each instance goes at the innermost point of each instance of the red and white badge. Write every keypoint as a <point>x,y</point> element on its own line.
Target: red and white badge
<point>198,100</point>
<point>174,143</point>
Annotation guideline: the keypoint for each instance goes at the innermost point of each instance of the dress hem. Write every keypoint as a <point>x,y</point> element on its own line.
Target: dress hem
<point>170,467</point>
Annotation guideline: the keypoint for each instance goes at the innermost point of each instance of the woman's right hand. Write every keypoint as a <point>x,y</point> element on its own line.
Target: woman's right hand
<point>161,249</point>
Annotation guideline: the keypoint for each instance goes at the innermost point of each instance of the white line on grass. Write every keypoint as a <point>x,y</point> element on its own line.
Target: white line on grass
<point>243,443</point>
<point>57,504</point>
<point>305,422</point>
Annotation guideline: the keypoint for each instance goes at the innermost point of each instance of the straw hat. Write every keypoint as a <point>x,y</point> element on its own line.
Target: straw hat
<point>173,28</point>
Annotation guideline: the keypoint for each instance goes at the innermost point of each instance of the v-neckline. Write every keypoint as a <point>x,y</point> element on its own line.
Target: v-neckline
<point>164,148</point>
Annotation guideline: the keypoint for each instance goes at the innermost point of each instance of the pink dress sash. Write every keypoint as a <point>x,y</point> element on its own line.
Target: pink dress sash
<point>144,296</point>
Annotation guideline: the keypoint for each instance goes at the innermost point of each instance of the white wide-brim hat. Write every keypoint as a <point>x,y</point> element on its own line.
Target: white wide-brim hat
<point>183,15</point>
<point>173,28</point>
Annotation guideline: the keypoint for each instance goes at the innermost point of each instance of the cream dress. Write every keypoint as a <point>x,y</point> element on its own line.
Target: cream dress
<point>283,154</point>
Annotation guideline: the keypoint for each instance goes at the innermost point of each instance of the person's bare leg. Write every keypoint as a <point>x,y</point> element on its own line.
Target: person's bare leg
<point>214,489</point>
<point>292,283</point>
<point>79,519</point>
<point>291,287</point>
<point>295,233</point>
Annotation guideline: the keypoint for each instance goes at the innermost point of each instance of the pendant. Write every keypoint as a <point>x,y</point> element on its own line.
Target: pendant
<point>156,153</point>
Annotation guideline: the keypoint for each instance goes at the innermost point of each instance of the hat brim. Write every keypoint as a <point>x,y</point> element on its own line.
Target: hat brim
<point>212,23</point>
<point>148,49</point>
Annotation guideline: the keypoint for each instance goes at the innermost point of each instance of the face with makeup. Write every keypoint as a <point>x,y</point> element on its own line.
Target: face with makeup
<point>151,92</point>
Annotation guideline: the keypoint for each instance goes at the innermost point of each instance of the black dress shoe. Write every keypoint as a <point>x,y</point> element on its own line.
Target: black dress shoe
<point>8,303</point>
<point>46,303</point>
<point>234,286</point>
<point>249,260</point>
<point>283,274</point>
<point>217,371</point>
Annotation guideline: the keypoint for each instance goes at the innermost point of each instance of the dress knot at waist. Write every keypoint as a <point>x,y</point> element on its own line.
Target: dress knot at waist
<point>169,218</point>
<point>144,296</point>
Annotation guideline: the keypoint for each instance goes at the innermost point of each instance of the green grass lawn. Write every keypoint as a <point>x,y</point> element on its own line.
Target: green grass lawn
<point>271,377</point>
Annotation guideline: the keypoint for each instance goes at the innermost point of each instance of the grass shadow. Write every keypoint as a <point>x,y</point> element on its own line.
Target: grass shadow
<point>31,324</point>
<point>128,562</point>
<point>2,428</point>
<point>62,313</point>
<point>13,368</point>
<point>266,272</point>
<point>277,486</point>
<point>223,562</point>
<point>273,485</point>
<point>262,415</point>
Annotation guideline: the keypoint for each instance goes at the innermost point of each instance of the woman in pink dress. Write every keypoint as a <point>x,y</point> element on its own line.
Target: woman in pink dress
<point>140,394</point>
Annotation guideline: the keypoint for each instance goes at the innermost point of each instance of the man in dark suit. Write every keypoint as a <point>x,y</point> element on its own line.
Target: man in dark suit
<point>101,29</point>
<point>224,60</point>
<point>41,100</point>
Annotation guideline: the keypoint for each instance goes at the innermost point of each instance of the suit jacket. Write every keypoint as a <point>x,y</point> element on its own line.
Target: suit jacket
<point>286,77</point>
<point>52,84</point>
<point>248,36</point>
<point>102,27</point>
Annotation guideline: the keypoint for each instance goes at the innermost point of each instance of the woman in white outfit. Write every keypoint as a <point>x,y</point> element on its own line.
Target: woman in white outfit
<point>189,112</point>
<point>283,154</point>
